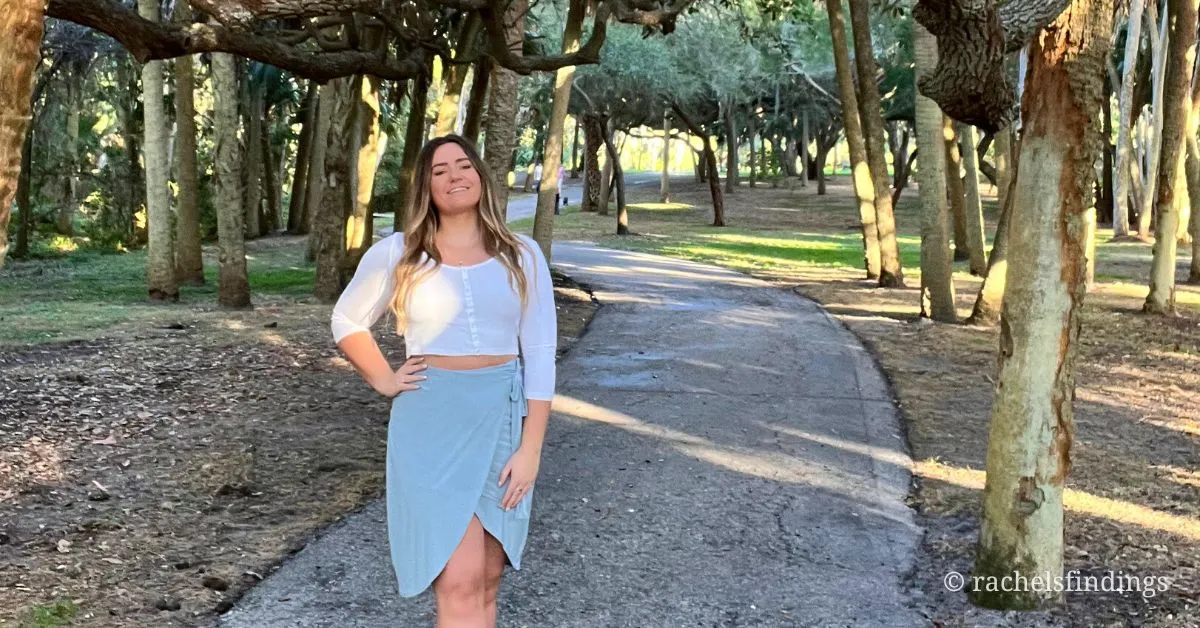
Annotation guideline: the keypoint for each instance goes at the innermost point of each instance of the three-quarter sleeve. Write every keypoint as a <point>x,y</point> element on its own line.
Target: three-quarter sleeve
<point>367,295</point>
<point>538,333</point>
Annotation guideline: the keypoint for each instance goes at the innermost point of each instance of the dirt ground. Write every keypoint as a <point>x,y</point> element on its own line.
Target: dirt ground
<point>1133,499</point>
<point>153,473</point>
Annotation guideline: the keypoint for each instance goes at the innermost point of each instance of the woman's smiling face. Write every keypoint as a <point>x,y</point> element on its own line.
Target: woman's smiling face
<point>454,181</point>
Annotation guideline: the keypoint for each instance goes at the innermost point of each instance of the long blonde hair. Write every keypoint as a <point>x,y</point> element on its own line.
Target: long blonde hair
<point>422,220</point>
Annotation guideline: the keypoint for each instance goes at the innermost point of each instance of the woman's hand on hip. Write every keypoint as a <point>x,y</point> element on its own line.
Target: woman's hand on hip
<point>404,378</point>
<point>521,471</point>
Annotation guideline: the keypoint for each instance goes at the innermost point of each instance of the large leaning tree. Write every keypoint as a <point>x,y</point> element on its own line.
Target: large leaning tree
<point>973,36</point>
<point>320,40</point>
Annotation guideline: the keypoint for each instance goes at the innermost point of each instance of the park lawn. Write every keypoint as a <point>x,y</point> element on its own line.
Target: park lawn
<point>1133,498</point>
<point>153,455</point>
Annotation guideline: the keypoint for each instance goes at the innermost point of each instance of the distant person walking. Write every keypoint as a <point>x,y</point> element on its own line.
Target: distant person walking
<point>559,190</point>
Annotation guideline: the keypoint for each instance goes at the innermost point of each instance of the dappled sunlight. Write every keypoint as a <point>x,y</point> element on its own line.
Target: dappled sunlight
<point>1186,477</point>
<point>34,462</point>
<point>731,278</point>
<point>233,324</point>
<point>770,465</point>
<point>272,338</point>
<point>659,206</point>
<point>1075,501</point>
<point>1179,424</point>
<point>890,456</point>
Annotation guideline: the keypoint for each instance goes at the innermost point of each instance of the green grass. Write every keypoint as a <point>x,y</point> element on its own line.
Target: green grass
<point>50,616</point>
<point>62,298</point>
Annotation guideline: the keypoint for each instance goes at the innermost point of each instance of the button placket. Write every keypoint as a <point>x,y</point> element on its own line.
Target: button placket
<point>470,300</point>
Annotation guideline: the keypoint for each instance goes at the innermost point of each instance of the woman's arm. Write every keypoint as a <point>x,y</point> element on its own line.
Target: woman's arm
<point>539,342</point>
<point>363,352</point>
<point>363,301</point>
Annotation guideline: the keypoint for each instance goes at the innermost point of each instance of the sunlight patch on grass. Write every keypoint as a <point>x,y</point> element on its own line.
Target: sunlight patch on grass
<point>1075,501</point>
<point>659,206</point>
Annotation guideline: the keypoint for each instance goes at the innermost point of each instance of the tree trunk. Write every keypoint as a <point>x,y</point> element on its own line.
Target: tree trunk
<point>1004,164</point>
<point>337,199</point>
<point>954,184</point>
<point>414,138</point>
<point>69,200</point>
<point>593,140</point>
<point>974,213</point>
<point>606,173</point>
<point>898,145</point>
<point>576,161</point>
<point>990,298</point>
<point>804,135</point>
<point>501,129</point>
<point>20,39</point>
<point>1154,151</point>
<point>619,179</point>
<point>296,222</point>
<point>372,141</point>
<point>24,183</point>
<point>477,102</point>
<point>1174,121</point>
<point>272,175</point>
<point>731,147</point>
<point>1032,423</point>
<point>750,133</point>
<point>864,183</point>
<point>822,157</point>
<point>233,285</point>
<point>891,273</point>
<point>189,259</point>
<point>454,76</point>
<point>1193,176</point>
<point>548,192</point>
<point>710,164</point>
<point>1104,206</point>
<point>254,156</point>
<point>937,273</point>
<point>1125,126</point>
<point>160,258</point>
<point>316,172</point>
<point>664,185</point>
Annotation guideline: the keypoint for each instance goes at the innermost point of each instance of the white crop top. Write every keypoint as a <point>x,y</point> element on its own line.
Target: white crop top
<point>467,310</point>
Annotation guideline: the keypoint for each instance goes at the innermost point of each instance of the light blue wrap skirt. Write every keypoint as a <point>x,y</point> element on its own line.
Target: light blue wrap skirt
<point>447,443</point>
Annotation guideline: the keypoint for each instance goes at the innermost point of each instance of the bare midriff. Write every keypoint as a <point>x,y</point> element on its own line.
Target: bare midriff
<point>465,362</point>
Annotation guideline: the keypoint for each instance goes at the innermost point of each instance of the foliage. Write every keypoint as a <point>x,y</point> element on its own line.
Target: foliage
<point>50,616</point>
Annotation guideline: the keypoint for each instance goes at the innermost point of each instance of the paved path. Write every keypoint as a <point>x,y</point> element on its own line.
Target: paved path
<point>722,453</point>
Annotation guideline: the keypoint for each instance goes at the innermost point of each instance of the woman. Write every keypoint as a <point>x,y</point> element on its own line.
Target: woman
<point>468,417</point>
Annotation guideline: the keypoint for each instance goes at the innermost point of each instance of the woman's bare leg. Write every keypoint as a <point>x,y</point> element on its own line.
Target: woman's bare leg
<point>494,570</point>
<point>460,588</point>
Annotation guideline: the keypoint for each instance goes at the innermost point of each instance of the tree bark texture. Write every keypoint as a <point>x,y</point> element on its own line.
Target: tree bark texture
<point>937,273</point>
<point>189,260</point>
<point>414,138</point>
<point>304,147</point>
<point>1121,193</point>
<point>20,38</point>
<point>1032,423</point>
<point>891,273</point>
<point>337,197</point>
<point>160,256</point>
<point>548,192</point>
<point>477,99</point>
<point>974,204</point>
<point>1180,55</point>
<point>864,183</point>
<point>233,284</point>
<point>500,132</point>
